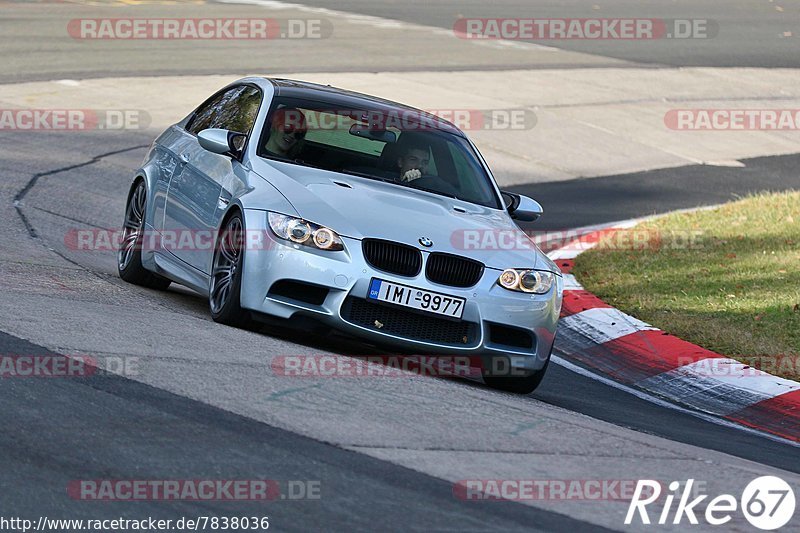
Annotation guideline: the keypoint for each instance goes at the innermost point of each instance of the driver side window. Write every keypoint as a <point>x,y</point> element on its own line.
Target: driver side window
<point>234,110</point>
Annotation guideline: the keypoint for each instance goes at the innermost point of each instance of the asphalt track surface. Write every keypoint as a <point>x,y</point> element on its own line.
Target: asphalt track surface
<point>590,201</point>
<point>105,426</point>
<point>751,33</point>
<point>108,426</point>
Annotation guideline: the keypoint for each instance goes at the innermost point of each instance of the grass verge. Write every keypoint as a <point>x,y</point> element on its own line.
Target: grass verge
<point>726,279</point>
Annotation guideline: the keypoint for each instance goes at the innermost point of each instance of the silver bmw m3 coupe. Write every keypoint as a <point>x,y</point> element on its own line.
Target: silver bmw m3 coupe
<point>280,199</point>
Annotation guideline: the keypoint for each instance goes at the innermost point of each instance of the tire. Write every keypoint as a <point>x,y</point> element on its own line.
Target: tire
<point>225,286</point>
<point>518,384</point>
<point>129,256</point>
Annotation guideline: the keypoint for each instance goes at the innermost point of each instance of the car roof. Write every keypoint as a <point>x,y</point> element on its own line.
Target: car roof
<point>345,99</point>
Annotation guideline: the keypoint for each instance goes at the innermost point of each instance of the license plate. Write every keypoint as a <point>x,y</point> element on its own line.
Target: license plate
<point>431,302</point>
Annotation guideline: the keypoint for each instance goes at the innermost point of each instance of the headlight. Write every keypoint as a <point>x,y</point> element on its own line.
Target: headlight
<point>300,231</point>
<point>531,281</point>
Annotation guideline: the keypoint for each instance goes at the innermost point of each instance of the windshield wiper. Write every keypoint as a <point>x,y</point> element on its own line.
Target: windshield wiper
<point>298,161</point>
<point>395,182</point>
<point>434,191</point>
<point>278,158</point>
<point>368,176</point>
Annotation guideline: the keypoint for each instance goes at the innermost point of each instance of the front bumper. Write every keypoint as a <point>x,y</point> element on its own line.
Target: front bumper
<point>346,276</point>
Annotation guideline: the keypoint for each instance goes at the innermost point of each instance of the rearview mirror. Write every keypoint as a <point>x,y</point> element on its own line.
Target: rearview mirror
<point>521,207</point>
<point>360,130</point>
<point>222,142</point>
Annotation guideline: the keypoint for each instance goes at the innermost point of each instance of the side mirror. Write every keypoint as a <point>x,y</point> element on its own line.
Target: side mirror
<point>521,207</point>
<point>222,142</point>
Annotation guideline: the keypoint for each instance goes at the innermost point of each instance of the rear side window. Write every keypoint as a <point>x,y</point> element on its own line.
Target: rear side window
<point>234,110</point>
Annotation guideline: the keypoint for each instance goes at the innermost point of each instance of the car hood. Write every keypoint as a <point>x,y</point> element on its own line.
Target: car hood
<point>363,208</point>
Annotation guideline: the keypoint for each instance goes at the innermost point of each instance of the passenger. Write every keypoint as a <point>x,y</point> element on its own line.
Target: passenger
<point>287,129</point>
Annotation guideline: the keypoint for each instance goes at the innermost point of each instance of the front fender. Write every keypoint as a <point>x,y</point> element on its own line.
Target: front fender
<point>264,196</point>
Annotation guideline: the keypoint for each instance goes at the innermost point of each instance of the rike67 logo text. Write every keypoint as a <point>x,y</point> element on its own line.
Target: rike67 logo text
<point>767,502</point>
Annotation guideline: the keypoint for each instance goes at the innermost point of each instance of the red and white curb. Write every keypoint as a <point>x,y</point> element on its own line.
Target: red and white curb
<point>634,353</point>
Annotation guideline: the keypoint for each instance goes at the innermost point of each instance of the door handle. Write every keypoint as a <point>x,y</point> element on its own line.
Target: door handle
<point>223,202</point>
<point>186,156</point>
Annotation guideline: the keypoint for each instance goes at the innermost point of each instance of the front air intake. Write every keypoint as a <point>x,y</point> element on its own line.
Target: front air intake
<point>453,270</point>
<point>392,257</point>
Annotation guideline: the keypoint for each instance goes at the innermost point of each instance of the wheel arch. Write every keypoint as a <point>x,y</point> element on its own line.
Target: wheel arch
<point>142,176</point>
<point>232,209</point>
<point>138,177</point>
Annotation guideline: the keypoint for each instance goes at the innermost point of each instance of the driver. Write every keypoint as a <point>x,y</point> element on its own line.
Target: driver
<point>415,155</point>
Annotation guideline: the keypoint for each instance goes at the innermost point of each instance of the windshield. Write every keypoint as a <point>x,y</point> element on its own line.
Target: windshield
<point>406,149</point>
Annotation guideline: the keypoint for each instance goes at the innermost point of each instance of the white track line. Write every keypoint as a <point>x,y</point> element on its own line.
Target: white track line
<point>718,385</point>
<point>571,284</point>
<point>572,250</point>
<point>663,403</point>
<point>737,374</point>
<point>604,324</point>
